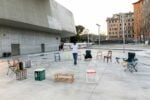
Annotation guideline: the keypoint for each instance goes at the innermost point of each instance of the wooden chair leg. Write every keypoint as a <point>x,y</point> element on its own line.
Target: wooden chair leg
<point>107,59</point>
<point>7,71</point>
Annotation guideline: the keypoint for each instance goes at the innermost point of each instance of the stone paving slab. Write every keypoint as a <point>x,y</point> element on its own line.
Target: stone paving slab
<point>113,83</point>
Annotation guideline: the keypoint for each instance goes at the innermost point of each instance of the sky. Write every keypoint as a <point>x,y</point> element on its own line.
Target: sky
<point>91,12</point>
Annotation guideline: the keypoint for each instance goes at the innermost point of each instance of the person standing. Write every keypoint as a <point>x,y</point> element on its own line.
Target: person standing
<point>74,48</point>
<point>61,46</point>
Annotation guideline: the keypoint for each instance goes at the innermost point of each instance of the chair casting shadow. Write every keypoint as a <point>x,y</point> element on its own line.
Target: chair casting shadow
<point>108,57</point>
<point>87,55</point>
<point>131,62</point>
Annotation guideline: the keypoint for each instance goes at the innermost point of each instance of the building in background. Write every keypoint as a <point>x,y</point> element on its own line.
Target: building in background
<point>114,26</point>
<point>33,26</point>
<point>146,20</point>
<point>138,20</point>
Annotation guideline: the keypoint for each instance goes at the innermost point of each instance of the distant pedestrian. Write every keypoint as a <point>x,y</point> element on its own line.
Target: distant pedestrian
<point>61,46</point>
<point>74,48</point>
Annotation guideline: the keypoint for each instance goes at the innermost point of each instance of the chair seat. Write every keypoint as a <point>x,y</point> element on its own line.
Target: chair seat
<point>91,76</point>
<point>107,56</point>
<point>90,71</point>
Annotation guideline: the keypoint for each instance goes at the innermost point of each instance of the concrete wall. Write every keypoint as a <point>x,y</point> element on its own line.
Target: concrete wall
<point>44,13</point>
<point>63,15</point>
<point>27,11</point>
<point>30,41</point>
<point>31,23</point>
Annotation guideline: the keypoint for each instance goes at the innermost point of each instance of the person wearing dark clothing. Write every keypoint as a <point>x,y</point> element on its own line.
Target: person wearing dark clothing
<point>61,46</point>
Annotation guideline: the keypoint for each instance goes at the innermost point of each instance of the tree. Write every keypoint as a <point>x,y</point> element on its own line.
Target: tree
<point>79,30</point>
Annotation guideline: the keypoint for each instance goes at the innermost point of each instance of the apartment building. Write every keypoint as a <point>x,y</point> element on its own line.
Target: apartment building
<point>146,20</point>
<point>138,20</point>
<point>117,22</point>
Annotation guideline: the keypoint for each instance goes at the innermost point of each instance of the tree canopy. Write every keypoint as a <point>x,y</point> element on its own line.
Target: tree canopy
<point>79,29</point>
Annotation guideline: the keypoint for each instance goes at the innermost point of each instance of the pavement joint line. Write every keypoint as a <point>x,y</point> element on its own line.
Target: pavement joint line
<point>100,78</point>
<point>137,83</point>
<point>145,64</point>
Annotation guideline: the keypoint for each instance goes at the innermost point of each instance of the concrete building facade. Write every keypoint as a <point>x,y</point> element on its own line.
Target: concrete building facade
<point>33,26</point>
<point>115,26</point>
<point>138,20</point>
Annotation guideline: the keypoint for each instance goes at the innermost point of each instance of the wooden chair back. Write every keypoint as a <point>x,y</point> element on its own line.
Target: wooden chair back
<point>13,65</point>
<point>109,53</point>
<point>108,56</point>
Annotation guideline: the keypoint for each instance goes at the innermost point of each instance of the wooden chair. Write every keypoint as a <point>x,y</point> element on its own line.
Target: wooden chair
<point>21,74</point>
<point>99,54</point>
<point>13,66</point>
<point>108,56</point>
<point>16,67</point>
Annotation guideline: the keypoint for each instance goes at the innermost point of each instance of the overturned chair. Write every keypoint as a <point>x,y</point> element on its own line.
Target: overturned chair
<point>131,62</point>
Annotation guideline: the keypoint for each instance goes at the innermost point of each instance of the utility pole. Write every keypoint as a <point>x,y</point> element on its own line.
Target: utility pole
<point>87,38</point>
<point>123,34</point>
<point>99,33</point>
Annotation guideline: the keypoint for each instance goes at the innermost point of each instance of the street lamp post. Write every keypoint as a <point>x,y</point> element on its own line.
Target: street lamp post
<point>88,37</point>
<point>99,33</point>
<point>123,34</point>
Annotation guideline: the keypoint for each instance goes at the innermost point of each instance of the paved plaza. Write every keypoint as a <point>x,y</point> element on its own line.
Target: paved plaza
<point>113,82</point>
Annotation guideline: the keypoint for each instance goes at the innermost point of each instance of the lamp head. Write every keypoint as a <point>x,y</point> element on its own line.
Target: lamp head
<point>98,25</point>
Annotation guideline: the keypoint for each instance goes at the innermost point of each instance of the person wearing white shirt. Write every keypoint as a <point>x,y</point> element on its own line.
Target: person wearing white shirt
<point>74,48</point>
